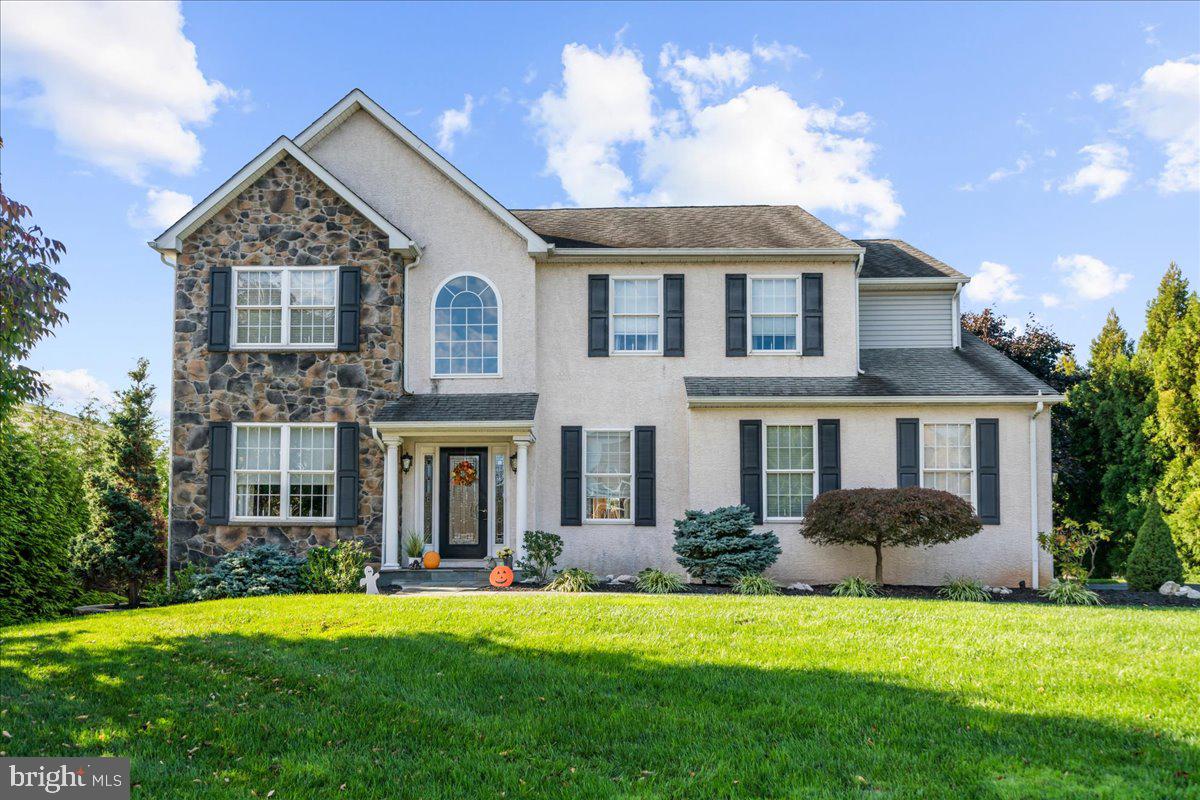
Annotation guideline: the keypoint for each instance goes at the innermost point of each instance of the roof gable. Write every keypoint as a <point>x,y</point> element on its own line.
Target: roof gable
<point>172,238</point>
<point>357,100</point>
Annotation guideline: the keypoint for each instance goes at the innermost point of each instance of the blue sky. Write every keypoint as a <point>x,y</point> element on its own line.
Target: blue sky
<point>1050,150</point>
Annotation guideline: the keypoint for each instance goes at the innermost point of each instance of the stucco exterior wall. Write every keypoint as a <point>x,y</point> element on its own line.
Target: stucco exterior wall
<point>456,234</point>
<point>287,217</point>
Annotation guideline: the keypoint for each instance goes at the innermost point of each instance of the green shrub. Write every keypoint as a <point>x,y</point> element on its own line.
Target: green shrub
<point>414,546</point>
<point>1070,592</point>
<point>856,587</point>
<point>1154,560</point>
<point>720,546</point>
<point>572,579</point>
<point>655,581</point>
<point>542,550</point>
<point>43,508</point>
<point>183,582</point>
<point>964,590</point>
<point>99,597</point>
<point>1073,547</point>
<point>260,570</point>
<point>333,570</point>
<point>751,584</point>
<point>879,518</point>
<point>124,550</point>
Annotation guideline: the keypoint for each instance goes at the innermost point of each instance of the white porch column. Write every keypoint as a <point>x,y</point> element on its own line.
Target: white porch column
<point>522,443</point>
<point>391,504</point>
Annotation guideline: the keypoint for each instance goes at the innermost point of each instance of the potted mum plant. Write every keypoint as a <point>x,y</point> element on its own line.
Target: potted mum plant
<point>505,554</point>
<point>414,548</point>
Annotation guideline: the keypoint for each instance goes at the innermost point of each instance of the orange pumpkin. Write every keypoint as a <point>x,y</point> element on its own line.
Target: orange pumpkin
<point>431,560</point>
<point>501,577</point>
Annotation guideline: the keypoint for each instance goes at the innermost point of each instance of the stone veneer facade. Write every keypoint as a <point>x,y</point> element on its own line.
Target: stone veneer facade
<point>288,217</point>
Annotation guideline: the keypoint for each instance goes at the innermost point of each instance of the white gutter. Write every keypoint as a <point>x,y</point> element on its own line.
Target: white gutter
<point>577,254</point>
<point>1033,490</point>
<point>404,323</point>
<point>784,401</point>
<point>162,256</point>
<point>914,283</point>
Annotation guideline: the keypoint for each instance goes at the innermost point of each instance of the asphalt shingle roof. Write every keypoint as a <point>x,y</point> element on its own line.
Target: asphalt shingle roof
<point>893,258</point>
<point>976,369</point>
<point>460,408</point>
<point>682,226</point>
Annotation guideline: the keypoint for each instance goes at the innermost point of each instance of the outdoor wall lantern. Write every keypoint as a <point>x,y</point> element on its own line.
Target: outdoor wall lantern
<point>406,462</point>
<point>512,462</point>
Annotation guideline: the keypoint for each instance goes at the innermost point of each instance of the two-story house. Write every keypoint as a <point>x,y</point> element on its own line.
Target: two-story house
<point>368,345</point>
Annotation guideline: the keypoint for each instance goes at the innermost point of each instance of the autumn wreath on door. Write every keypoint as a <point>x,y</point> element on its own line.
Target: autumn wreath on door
<point>464,473</point>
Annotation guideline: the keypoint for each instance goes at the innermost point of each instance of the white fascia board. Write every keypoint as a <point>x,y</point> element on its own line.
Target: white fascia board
<point>453,427</point>
<point>590,254</point>
<point>172,238</point>
<point>358,100</point>
<point>913,283</point>
<point>756,402</point>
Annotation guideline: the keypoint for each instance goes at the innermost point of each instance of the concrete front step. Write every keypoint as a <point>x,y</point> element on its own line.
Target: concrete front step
<point>461,577</point>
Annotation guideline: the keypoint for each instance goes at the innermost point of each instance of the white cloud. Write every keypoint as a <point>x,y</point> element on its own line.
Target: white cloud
<point>162,209</point>
<point>530,75</point>
<point>994,283</point>
<point>73,388</point>
<point>1024,124</point>
<point>1107,171</point>
<point>999,174</point>
<point>1165,106</point>
<point>774,51</point>
<point>1151,33</point>
<point>118,83</point>
<point>1051,300</point>
<point>452,122</point>
<point>1089,277</point>
<point>1103,92</point>
<point>759,146</point>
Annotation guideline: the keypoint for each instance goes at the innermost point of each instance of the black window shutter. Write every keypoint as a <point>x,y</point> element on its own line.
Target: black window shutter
<point>987,460</point>
<point>347,473</point>
<point>908,459</point>
<point>220,453</point>
<point>572,475</point>
<point>220,292</point>
<point>735,315</point>
<point>673,315</point>
<point>750,445</point>
<point>643,451</point>
<point>829,454</point>
<point>597,315</point>
<point>349,304</point>
<point>813,303</point>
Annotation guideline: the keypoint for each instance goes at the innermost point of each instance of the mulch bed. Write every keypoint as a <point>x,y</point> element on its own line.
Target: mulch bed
<point>1107,598</point>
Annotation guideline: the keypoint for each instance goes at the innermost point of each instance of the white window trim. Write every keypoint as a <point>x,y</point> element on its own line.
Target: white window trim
<point>285,325</point>
<point>284,473</point>
<point>751,314</point>
<point>584,475</point>
<point>816,488</point>
<point>612,315</point>
<point>433,373</point>
<point>974,456</point>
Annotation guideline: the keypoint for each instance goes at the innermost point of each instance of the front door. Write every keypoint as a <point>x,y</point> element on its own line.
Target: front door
<point>464,502</point>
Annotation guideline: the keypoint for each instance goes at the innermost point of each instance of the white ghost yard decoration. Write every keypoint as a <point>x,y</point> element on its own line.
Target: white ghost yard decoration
<point>369,580</point>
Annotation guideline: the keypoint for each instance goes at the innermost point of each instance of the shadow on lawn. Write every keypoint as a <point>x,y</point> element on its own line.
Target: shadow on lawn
<point>436,715</point>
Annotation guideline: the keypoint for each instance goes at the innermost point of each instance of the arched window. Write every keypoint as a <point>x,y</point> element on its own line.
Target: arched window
<point>466,328</point>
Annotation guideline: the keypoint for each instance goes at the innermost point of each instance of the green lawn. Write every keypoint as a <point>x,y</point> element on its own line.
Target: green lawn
<point>534,695</point>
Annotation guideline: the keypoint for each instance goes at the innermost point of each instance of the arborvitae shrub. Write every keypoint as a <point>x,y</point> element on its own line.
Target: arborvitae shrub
<point>1153,560</point>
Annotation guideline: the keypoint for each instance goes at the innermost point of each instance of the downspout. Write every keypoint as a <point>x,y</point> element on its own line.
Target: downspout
<point>1035,549</point>
<point>857,333</point>
<point>956,315</point>
<point>404,323</point>
<point>171,410</point>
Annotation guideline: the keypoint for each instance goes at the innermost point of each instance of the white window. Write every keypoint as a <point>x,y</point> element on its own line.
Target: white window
<point>791,471</point>
<point>636,315</point>
<point>285,307</point>
<point>948,459</point>
<point>466,328</point>
<point>774,315</point>
<point>283,472</point>
<point>608,475</point>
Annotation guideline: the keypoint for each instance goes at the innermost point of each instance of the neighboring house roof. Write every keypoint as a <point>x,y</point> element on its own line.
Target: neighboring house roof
<point>977,370</point>
<point>460,408</point>
<point>684,227</point>
<point>893,258</point>
<point>172,238</point>
<point>357,100</point>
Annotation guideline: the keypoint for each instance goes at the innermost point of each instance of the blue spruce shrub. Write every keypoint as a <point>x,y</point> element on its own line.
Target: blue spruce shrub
<point>260,570</point>
<point>721,546</point>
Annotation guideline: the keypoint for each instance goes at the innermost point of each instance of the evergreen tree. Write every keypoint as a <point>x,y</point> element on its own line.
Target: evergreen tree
<point>720,546</point>
<point>1153,561</point>
<point>1177,429</point>
<point>1167,308</point>
<point>126,547</point>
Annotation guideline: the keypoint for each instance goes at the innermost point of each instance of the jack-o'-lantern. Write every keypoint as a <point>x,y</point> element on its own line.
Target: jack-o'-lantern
<point>431,560</point>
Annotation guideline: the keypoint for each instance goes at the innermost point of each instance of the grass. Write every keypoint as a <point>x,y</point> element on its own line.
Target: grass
<point>537,695</point>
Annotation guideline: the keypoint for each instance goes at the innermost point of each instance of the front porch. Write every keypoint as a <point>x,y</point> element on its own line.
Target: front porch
<point>456,476</point>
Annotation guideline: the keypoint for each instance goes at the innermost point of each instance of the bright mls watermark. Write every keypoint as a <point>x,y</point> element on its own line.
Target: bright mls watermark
<point>90,778</point>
